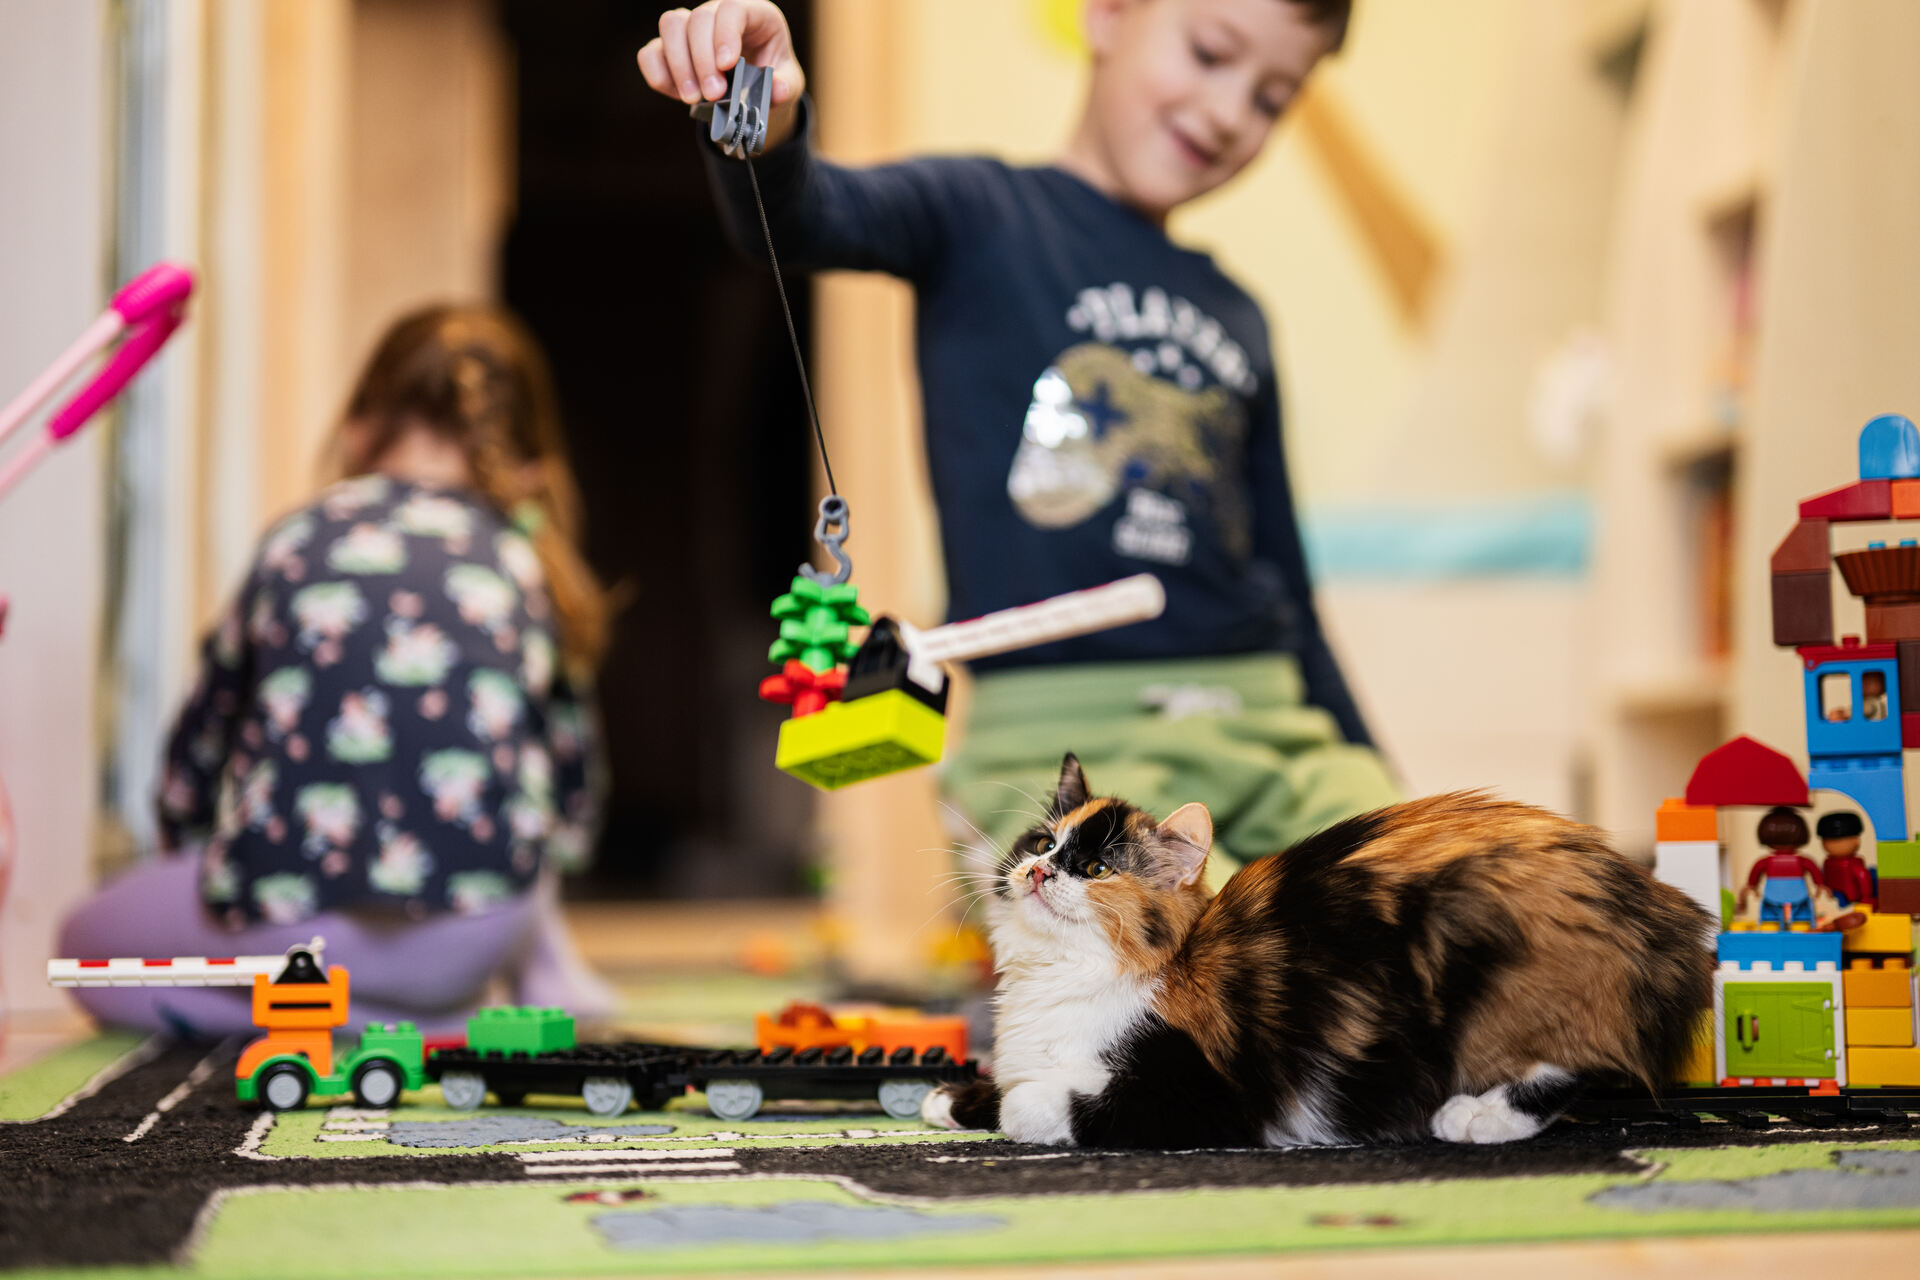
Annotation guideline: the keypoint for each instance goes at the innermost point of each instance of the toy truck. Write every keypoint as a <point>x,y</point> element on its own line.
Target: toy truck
<point>511,1053</point>
<point>297,1003</point>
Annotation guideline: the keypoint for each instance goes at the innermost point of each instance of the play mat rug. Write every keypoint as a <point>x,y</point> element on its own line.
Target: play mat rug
<point>121,1154</point>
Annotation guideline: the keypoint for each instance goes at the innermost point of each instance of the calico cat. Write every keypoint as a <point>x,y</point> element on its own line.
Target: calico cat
<point>1455,967</point>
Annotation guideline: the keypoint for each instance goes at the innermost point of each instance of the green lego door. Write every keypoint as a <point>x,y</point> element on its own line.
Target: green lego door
<point>1779,1029</point>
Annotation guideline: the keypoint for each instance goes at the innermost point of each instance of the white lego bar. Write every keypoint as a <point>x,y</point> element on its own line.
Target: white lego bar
<point>174,971</point>
<point>1077,613</point>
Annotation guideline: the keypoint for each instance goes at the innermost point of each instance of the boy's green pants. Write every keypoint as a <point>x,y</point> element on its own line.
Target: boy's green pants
<point>1230,732</point>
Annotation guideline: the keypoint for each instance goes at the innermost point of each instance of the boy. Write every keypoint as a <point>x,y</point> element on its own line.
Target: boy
<point>1098,401</point>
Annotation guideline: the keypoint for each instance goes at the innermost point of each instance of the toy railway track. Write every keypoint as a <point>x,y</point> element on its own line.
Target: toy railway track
<point>737,1082</point>
<point>1750,1105</point>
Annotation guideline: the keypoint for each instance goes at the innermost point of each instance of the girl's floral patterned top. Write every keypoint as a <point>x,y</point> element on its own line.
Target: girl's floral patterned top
<point>381,717</point>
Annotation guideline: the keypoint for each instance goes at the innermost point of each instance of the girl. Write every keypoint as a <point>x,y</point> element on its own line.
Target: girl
<point>387,744</point>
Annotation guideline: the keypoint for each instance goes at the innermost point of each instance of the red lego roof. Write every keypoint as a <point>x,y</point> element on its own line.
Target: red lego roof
<point>1848,650</point>
<point>1746,772</point>
<point>1861,500</point>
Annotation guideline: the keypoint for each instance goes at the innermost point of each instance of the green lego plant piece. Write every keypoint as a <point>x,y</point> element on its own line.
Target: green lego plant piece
<point>850,742</point>
<point>815,623</point>
<point>1899,859</point>
<point>519,1029</point>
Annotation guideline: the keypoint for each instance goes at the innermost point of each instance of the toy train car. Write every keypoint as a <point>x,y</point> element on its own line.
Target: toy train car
<point>511,1053</point>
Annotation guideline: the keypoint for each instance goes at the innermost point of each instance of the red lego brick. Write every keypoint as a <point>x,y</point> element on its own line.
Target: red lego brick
<point>1802,609</point>
<point>1899,894</point>
<point>1861,500</point>
<point>1808,549</point>
<point>1892,623</point>
<point>1746,772</point>
<point>1848,650</point>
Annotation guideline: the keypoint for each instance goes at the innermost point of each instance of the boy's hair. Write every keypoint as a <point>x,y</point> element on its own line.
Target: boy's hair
<point>1331,16</point>
<point>476,377</point>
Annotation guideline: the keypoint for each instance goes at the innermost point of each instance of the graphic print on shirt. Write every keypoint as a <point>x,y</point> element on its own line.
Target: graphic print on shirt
<point>1152,406</point>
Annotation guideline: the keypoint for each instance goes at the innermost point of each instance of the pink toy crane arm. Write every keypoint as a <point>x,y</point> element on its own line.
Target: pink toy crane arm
<point>149,308</point>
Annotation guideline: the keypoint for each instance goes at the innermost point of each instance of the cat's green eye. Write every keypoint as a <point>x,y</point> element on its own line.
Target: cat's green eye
<point>1097,870</point>
<point>1047,845</point>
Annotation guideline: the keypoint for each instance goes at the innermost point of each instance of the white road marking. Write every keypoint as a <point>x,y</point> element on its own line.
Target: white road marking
<point>349,1137</point>
<point>635,1153</point>
<point>631,1169</point>
<point>249,1147</point>
<point>175,1096</point>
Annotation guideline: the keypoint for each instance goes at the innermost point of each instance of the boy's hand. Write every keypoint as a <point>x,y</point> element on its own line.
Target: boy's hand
<point>695,52</point>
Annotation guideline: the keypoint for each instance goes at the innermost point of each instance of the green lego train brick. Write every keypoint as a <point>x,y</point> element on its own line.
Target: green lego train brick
<point>1899,859</point>
<point>519,1029</point>
<point>849,742</point>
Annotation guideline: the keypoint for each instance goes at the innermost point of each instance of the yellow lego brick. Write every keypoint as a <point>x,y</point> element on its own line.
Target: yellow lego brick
<point>1883,1066</point>
<point>1886,1028</point>
<point>1883,931</point>
<point>849,742</point>
<point>1888,988</point>
<point>1698,1066</point>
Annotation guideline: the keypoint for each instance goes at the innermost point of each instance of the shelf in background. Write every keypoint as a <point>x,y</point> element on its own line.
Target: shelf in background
<point>1696,691</point>
<point>1706,445</point>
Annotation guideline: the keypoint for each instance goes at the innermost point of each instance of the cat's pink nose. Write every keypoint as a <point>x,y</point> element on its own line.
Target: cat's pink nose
<point>1040,871</point>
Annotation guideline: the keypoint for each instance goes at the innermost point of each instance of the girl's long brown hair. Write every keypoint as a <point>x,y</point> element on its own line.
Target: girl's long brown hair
<point>475,376</point>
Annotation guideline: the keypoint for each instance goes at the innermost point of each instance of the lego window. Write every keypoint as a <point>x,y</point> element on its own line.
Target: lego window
<point>1836,696</point>
<point>1873,695</point>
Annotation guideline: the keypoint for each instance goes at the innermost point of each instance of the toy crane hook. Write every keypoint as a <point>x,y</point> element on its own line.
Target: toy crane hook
<point>740,118</point>
<point>831,531</point>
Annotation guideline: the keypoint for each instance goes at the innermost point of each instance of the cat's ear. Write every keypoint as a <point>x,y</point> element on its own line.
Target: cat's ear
<point>1071,791</point>
<point>1190,838</point>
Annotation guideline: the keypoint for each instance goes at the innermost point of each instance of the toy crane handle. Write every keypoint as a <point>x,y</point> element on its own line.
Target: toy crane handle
<point>740,119</point>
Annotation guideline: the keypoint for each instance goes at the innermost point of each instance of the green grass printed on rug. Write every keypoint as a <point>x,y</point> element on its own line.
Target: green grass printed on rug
<point>35,1089</point>
<point>533,1230</point>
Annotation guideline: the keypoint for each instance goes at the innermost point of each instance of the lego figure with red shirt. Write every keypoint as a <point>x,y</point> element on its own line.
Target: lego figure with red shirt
<point>1785,877</point>
<point>1846,872</point>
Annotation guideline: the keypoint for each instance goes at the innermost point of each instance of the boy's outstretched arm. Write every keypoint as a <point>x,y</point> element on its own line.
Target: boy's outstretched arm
<point>893,218</point>
<point>1276,540</point>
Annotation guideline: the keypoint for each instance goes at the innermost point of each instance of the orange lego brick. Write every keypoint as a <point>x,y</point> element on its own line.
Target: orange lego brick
<point>1906,499</point>
<point>1886,1028</point>
<point>1883,1066</point>
<point>1678,820</point>
<point>1867,988</point>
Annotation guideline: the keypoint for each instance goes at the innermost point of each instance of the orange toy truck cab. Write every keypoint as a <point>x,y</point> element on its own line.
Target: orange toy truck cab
<point>299,1013</point>
<point>808,1026</point>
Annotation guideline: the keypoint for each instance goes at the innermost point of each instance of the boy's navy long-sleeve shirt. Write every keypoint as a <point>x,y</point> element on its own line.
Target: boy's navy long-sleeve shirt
<point>1098,400</point>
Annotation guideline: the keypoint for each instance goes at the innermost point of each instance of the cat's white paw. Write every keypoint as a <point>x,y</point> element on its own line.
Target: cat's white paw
<point>1487,1118</point>
<point>1038,1111</point>
<point>936,1109</point>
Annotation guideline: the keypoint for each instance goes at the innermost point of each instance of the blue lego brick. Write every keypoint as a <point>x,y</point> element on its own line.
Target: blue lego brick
<point>1768,947</point>
<point>1889,448</point>
<point>1873,782</point>
<point>1857,735</point>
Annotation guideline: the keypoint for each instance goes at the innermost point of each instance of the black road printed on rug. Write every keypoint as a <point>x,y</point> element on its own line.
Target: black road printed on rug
<point>79,1194</point>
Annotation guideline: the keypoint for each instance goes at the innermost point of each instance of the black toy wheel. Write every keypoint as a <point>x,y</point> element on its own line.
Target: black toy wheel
<point>377,1084</point>
<point>510,1097</point>
<point>283,1087</point>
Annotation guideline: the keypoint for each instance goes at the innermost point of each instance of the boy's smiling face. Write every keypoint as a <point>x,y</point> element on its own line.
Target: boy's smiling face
<point>1185,92</point>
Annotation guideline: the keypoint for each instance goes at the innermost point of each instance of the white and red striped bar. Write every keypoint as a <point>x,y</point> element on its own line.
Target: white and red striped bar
<point>179,971</point>
<point>1077,613</point>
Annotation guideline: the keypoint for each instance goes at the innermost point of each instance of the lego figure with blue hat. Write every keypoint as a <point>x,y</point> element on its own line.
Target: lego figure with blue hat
<point>1785,877</point>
